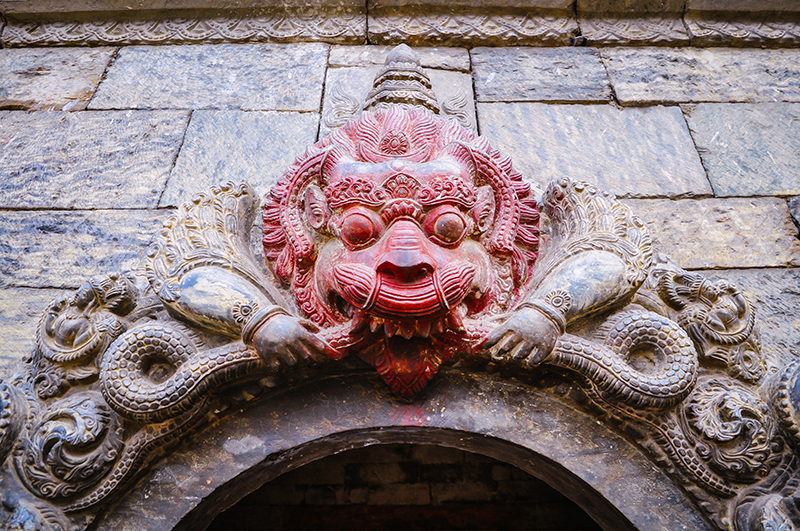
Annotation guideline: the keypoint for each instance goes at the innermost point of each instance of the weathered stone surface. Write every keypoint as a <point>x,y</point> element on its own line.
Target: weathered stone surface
<point>775,293</point>
<point>645,75</point>
<point>629,6</point>
<point>275,24</point>
<point>347,88</point>
<point>62,249</point>
<point>20,310</point>
<point>741,5</point>
<point>225,146</point>
<point>794,210</point>
<point>622,29</point>
<point>632,152</point>
<point>225,76</point>
<point>51,79</point>
<point>49,6</point>
<point>107,159</point>
<point>437,57</point>
<point>722,233</point>
<point>539,74</point>
<point>748,149</point>
<point>743,29</point>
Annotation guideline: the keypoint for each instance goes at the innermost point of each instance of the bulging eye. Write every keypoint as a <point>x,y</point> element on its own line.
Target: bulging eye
<point>446,225</point>
<point>358,229</point>
<point>449,227</point>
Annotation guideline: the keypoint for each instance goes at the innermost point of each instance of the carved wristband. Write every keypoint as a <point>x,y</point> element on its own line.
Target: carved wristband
<point>257,320</point>
<point>554,307</point>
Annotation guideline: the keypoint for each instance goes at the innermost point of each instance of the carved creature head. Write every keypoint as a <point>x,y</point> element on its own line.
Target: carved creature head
<point>396,233</point>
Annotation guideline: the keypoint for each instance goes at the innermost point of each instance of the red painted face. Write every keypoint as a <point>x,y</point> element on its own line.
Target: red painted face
<point>398,234</point>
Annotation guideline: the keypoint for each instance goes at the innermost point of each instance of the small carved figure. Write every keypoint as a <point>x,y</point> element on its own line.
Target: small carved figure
<point>81,326</point>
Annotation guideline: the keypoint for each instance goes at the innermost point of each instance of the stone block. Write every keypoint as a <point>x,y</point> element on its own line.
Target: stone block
<point>624,29</point>
<point>742,5</point>
<point>59,249</point>
<point>379,473</point>
<point>794,210</point>
<point>108,159</point>
<point>426,454</point>
<point>460,492</point>
<point>20,311</point>
<point>721,233</point>
<point>642,152</point>
<point>347,88</point>
<point>629,6</point>
<point>222,146</point>
<point>466,26</point>
<point>674,75</point>
<point>539,74</point>
<point>748,149</point>
<point>775,294</point>
<point>400,494</point>
<point>442,58</point>
<point>224,76</point>
<point>52,79</point>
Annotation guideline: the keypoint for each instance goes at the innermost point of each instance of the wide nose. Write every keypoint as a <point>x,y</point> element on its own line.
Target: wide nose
<point>404,255</point>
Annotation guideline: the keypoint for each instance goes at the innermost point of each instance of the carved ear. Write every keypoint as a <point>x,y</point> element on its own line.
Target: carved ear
<point>317,211</point>
<point>483,211</point>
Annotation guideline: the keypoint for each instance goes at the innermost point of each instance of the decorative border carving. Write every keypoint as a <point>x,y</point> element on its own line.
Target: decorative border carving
<point>725,30</point>
<point>642,31</point>
<point>472,28</point>
<point>277,26</point>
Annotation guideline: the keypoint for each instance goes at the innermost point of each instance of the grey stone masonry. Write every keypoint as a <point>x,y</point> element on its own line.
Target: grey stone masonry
<point>539,74</point>
<point>748,149</point>
<point>677,75</point>
<point>221,146</point>
<point>20,310</point>
<point>347,88</point>
<point>51,79</point>
<point>631,152</point>
<point>62,249</point>
<point>722,233</point>
<point>435,57</point>
<point>109,159</point>
<point>226,76</point>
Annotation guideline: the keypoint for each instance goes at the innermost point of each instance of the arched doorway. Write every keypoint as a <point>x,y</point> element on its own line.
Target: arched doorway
<point>398,487</point>
<point>532,429</point>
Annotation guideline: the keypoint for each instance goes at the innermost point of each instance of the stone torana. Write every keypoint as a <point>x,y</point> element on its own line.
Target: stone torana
<point>405,243</point>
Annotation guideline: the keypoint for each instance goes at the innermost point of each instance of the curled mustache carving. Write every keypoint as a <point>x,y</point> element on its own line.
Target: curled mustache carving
<point>384,296</point>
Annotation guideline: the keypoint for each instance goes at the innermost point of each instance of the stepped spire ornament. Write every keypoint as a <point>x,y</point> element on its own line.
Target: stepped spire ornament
<point>401,243</point>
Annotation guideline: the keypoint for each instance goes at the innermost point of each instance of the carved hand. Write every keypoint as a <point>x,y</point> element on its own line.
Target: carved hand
<point>285,341</point>
<point>524,339</point>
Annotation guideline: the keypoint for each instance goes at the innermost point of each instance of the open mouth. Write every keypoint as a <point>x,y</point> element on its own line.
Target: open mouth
<point>410,328</point>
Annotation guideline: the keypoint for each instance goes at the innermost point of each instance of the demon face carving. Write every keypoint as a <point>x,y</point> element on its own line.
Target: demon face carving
<point>397,234</point>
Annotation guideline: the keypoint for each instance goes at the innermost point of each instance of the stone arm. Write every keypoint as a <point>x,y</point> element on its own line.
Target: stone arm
<point>597,257</point>
<point>202,268</point>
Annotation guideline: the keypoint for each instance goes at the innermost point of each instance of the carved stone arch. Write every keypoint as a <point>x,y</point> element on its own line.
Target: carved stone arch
<point>531,429</point>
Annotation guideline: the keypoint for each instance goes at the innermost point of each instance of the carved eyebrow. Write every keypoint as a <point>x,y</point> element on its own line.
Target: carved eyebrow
<point>447,189</point>
<point>350,190</point>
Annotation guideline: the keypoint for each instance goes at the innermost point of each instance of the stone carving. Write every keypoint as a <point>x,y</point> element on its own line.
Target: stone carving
<point>402,242</point>
<point>610,30</point>
<point>730,31</point>
<point>279,26</point>
<point>450,28</point>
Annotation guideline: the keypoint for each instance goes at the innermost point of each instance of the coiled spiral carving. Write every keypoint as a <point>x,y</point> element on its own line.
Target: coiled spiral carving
<point>607,365</point>
<point>155,372</point>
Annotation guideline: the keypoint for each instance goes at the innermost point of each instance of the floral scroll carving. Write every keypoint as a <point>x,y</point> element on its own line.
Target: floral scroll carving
<point>402,243</point>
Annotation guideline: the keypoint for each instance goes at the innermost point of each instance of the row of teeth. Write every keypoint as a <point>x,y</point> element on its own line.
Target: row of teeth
<point>410,328</point>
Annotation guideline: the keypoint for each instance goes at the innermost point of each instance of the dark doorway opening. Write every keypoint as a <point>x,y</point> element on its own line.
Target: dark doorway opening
<point>405,487</point>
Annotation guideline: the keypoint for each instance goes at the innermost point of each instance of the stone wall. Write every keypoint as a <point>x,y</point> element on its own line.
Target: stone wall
<point>703,143</point>
<point>400,487</point>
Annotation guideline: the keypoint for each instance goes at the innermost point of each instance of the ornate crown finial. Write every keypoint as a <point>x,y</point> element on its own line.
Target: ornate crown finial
<point>402,81</point>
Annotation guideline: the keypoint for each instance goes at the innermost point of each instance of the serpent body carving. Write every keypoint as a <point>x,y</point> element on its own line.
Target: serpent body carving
<point>608,366</point>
